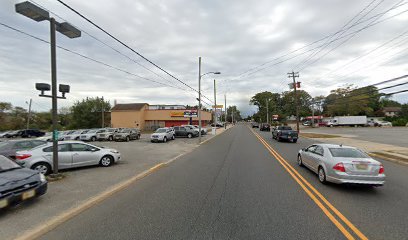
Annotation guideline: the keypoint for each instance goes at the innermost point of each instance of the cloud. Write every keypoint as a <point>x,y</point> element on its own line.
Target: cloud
<point>230,36</point>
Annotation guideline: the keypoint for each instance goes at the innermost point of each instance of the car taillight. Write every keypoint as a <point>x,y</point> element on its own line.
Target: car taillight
<point>381,171</point>
<point>22,156</point>
<point>339,167</point>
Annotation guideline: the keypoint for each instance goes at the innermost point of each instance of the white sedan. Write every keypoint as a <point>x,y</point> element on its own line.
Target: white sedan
<point>342,164</point>
<point>71,154</point>
<point>162,135</point>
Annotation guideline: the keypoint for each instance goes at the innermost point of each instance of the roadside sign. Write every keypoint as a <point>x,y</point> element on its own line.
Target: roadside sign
<point>191,113</point>
<point>217,106</point>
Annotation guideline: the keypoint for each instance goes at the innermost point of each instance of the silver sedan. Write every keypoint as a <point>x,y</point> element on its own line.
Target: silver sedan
<point>342,164</point>
<point>71,154</point>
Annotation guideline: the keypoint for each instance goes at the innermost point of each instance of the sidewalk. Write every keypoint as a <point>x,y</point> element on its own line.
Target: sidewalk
<point>380,150</point>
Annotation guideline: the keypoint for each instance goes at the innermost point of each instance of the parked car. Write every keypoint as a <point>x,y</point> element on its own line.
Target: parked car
<point>265,127</point>
<point>284,133</point>
<point>162,135</point>
<point>106,134</point>
<point>342,164</point>
<point>383,124</point>
<point>185,132</point>
<point>90,135</point>
<point>62,134</point>
<point>47,137</point>
<point>203,130</point>
<point>71,154</point>
<point>218,124</point>
<point>4,134</point>
<point>27,133</point>
<point>76,135</point>
<point>127,134</point>
<point>307,123</point>
<point>10,148</point>
<point>12,134</point>
<point>19,184</point>
<point>255,125</point>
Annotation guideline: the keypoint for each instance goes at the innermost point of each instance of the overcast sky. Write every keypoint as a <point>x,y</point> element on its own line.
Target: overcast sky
<point>231,36</point>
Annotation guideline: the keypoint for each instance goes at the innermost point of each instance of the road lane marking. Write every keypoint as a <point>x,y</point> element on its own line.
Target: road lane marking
<point>299,177</point>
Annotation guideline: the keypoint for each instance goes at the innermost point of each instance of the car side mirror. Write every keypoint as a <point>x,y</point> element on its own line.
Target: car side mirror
<point>304,149</point>
<point>94,149</point>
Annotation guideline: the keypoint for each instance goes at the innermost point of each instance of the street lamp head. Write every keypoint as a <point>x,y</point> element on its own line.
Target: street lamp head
<point>68,30</point>
<point>32,11</point>
<point>64,88</point>
<point>42,87</point>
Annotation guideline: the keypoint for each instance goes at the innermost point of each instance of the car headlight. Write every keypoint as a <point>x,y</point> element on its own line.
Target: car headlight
<point>114,151</point>
<point>42,178</point>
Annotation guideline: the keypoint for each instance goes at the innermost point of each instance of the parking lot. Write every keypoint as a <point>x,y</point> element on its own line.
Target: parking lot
<point>81,184</point>
<point>386,135</point>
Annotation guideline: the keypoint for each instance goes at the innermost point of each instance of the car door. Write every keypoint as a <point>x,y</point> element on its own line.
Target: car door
<point>317,157</point>
<point>83,155</point>
<point>307,155</point>
<point>183,131</point>
<point>64,155</point>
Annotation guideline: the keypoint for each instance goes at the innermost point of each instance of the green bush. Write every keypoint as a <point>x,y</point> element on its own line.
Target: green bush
<point>400,122</point>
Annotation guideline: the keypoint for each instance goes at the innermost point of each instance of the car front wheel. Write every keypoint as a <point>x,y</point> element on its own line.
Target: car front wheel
<point>106,161</point>
<point>93,139</point>
<point>189,135</point>
<point>164,139</point>
<point>43,168</point>
<point>299,161</point>
<point>173,137</point>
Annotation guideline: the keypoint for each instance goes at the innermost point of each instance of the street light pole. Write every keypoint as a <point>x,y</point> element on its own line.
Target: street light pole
<point>267,111</point>
<point>54,96</point>
<point>199,99</point>
<point>215,108</point>
<point>225,114</point>
<point>29,113</point>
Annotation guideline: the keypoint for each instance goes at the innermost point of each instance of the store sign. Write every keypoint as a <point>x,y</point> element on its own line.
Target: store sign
<point>191,113</point>
<point>186,114</point>
<point>217,106</point>
<point>275,117</point>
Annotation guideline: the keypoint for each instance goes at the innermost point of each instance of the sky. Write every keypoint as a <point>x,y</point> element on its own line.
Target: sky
<point>254,45</point>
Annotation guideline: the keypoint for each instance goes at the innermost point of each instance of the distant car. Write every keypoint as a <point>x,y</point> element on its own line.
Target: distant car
<point>12,134</point>
<point>218,124</point>
<point>27,133</point>
<point>75,135</point>
<point>71,154</point>
<point>127,134</point>
<point>47,137</point>
<point>185,132</point>
<point>284,133</point>
<point>383,124</point>
<point>342,164</point>
<point>19,184</point>
<point>162,135</point>
<point>90,135</point>
<point>62,134</point>
<point>194,127</point>
<point>4,134</point>
<point>10,148</point>
<point>265,127</point>
<point>307,123</point>
<point>106,134</point>
<point>255,125</point>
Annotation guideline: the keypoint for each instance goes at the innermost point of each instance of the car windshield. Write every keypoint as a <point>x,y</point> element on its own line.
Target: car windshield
<point>161,130</point>
<point>92,131</point>
<point>76,132</point>
<point>285,128</point>
<point>7,164</point>
<point>347,153</point>
<point>124,130</point>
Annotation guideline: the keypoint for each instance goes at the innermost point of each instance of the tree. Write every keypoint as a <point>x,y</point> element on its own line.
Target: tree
<point>232,110</point>
<point>304,101</point>
<point>274,104</point>
<point>87,113</point>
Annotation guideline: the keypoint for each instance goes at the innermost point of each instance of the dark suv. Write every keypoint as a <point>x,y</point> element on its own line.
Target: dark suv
<point>265,127</point>
<point>185,132</point>
<point>31,133</point>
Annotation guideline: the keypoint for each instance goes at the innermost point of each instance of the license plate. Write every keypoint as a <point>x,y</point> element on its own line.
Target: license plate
<point>362,166</point>
<point>3,203</point>
<point>28,194</point>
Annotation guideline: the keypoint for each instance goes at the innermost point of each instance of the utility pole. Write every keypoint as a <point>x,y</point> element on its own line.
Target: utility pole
<point>103,113</point>
<point>215,108</point>
<point>225,113</point>
<point>294,75</point>
<point>29,114</point>
<point>313,113</point>
<point>199,99</point>
<point>54,98</point>
<point>267,111</point>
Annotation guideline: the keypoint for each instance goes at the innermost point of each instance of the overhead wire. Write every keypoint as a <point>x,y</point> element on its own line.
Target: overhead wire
<point>128,47</point>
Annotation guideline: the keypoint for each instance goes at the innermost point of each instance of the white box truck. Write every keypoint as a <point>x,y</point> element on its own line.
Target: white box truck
<point>348,121</point>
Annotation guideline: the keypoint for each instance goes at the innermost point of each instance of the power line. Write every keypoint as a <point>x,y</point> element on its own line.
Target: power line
<point>128,47</point>
<point>92,59</point>
<point>372,23</point>
<point>102,42</point>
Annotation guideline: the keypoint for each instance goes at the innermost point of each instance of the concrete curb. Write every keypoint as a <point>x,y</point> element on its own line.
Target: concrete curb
<point>388,159</point>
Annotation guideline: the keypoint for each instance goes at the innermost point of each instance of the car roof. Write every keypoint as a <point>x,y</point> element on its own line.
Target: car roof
<point>328,145</point>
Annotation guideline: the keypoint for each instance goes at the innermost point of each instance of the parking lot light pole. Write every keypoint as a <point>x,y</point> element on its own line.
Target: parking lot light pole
<point>38,14</point>
<point>199,96</point>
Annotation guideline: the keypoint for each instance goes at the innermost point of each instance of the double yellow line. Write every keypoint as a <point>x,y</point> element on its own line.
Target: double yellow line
<point>315,195</point>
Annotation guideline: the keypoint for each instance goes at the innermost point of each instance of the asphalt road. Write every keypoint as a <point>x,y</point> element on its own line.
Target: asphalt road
<point>397,136</point>
<point>231,187</point>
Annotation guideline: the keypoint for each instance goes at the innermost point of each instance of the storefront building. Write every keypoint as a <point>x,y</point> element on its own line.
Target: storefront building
<point>150,117</point>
